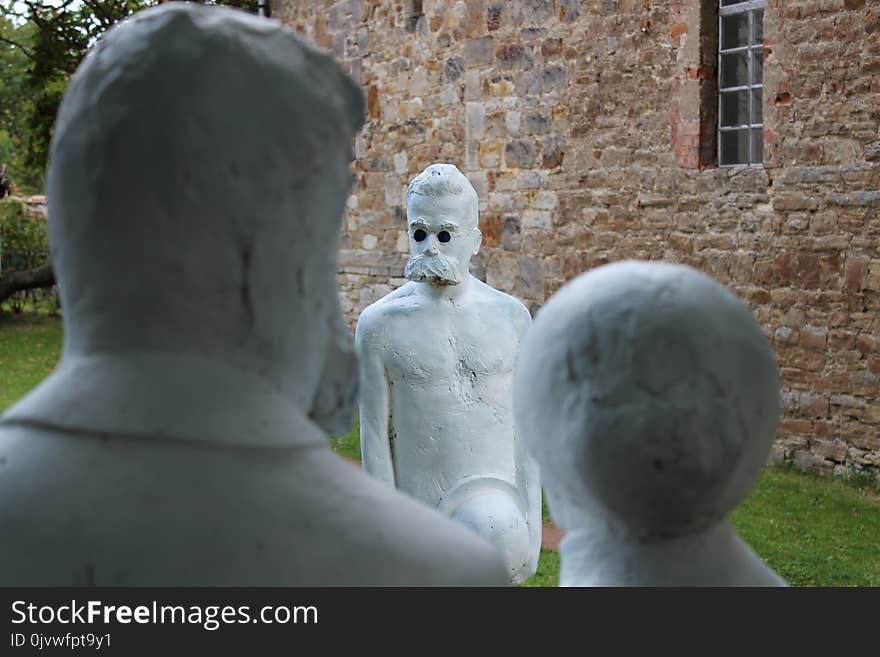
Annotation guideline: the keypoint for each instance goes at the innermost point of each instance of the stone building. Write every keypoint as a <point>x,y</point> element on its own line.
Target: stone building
<point>591,132</point>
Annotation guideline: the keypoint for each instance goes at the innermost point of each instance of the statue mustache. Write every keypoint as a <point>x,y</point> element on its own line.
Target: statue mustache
<point>436,267</point>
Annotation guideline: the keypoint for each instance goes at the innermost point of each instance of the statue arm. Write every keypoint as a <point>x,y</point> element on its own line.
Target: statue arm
<point>528,470</point>
<point>374,404</point>
<point>532,486</point>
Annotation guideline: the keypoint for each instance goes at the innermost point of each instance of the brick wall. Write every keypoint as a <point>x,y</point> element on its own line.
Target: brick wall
<point>587,129</point>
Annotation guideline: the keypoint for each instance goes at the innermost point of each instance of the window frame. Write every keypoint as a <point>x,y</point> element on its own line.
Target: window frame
<point>748,7</point>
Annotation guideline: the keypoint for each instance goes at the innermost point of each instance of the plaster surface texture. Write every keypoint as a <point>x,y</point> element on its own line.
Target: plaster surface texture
<point>650,396</point>
<point>181,439</point>
<point>437,357</point>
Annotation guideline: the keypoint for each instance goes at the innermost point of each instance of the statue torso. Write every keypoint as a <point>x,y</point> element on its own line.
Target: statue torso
<point>449,366</point>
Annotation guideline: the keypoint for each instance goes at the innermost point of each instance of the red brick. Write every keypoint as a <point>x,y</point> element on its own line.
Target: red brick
<point>802,427</point>
<point>491,229</point>
<point>856,273</point>
<point>677,31</point>
<point>373,102</point>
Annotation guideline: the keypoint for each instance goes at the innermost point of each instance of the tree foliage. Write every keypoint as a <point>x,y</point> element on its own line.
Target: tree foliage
<point>43,42</point>
<point>24,250</point>
<point>14,64</point>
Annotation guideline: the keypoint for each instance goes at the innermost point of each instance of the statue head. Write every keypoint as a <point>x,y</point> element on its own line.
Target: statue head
<point>649,395</point>
<point>198,173</point>
<point>442,212</point>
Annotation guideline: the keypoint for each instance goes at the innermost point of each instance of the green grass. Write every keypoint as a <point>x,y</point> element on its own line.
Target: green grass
<point>548,570</point>
<point>348,445</point>
<point>813,531</point>
<point>30,346</point>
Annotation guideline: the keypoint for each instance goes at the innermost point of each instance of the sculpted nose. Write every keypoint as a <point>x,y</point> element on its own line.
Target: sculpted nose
<point>431,245</point>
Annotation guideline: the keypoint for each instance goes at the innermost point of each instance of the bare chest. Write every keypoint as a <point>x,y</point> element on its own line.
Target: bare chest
<point>450,343</point>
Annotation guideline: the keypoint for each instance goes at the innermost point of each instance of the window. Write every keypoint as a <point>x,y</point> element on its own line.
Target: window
<point>740,82</point>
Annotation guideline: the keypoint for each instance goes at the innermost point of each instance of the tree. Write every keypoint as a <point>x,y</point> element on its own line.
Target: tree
<point>41,44</point>
<point>44,43</point>
<point>18,281</point>
<point>24,250</point>
<point>14,63</point>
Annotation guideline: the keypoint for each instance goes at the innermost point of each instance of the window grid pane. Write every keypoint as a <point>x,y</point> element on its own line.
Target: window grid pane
<point>734,69</point>
<point>735,109</point>
<point>758,63</point>
<point>757,146</point>
<point>757,106</point>
<point>734,31</point>
<point>735,146</point>
<point>740,82</point>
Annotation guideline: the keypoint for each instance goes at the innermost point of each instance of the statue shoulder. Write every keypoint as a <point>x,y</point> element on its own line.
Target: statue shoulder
<point>509,305</point>
<point>375,317</point>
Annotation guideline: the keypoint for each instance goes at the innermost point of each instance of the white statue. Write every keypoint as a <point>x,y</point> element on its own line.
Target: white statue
<point>436,361</point>
<point>649,396</point>
<point>199,170</point>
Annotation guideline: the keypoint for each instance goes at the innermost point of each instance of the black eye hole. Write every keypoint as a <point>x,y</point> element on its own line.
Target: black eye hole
<point>444,236</point>
<point>419,235</point>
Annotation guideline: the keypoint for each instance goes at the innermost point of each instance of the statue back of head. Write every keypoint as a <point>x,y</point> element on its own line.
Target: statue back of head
<point>650,397</point>
<point>199,169</point>
<point>199,172</point>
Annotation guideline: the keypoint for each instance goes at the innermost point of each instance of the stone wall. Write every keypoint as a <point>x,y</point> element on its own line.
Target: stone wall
<point>587,129</point>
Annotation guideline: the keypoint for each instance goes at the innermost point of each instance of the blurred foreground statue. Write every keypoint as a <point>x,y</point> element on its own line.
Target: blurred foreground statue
<point>650,397</point>
<point>198,174</point>
<point>437,357</point>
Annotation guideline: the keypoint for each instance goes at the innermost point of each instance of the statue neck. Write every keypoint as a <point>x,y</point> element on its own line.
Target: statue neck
<point>177,397</point>
<point>713,556</point>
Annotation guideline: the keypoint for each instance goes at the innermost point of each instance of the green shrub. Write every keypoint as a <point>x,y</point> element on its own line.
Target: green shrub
<point>24,242</point>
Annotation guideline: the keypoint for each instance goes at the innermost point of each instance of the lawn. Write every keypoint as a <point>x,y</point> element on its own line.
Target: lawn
<point>813,531</point>
<point>30,345</point>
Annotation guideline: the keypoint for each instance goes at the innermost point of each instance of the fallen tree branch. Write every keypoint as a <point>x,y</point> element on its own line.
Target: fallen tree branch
<point>26,280</point>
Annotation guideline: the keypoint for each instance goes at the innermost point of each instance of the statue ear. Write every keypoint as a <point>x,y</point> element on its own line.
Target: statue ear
<point>335,402</point>
<point>478,241</point>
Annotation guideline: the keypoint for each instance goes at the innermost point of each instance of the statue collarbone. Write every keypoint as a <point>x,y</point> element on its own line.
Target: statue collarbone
<point>438,342</point>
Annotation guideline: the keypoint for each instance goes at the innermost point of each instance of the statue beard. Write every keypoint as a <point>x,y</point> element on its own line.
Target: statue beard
<point>437,269</point>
